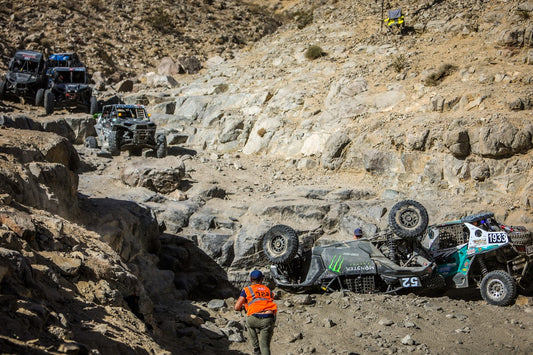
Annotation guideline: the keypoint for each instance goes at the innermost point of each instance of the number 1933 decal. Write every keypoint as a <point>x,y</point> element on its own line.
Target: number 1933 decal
<point>410,281</point>
<point>497,238</point>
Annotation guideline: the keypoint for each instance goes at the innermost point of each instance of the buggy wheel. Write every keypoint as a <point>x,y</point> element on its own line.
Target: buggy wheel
<point>280,244</point>
<point>49,102</point>
<point>39,97</point>
<point>93,105</point>
<point>498,288</point>
<point>408,219</point>
<point>90,142</point>
<point>161,148</point>
<point>2,90</point>
<point>114,142</point>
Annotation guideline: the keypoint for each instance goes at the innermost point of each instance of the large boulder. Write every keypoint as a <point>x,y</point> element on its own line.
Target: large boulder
<point>164,176</point>
<point>332,157</point>
<point>458,142</point>
<point>501,141</point>
<point>39,170</point>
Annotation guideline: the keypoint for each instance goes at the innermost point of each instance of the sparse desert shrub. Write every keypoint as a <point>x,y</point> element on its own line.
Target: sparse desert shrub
<point>97,5</point>
<point>161,21</point>
<point>399,63</point>
<point>261,132</point>
<point>314,52</point>
<point>436,77</point>
<point>303,17</point>
<point>523,14</point>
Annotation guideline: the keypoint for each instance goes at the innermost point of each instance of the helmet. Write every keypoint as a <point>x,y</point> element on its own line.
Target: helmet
<point>256,275</point>
<point>358,232</point>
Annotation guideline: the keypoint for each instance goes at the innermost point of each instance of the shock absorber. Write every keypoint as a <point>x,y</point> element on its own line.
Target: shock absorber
<point>392,249</point>
<point>483,266</point>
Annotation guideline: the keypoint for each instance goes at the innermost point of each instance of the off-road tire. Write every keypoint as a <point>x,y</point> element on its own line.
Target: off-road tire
<point>280,244</point>
<point>93,105</point>
<point>161,148</point>
<point>408,219</point>
<point>2,90</point>
<point>49,102</point>
<point>39,97</point>
<point>90,142</point>
<point>498,288</point>
<point>114,142</point>
<point>520,238</point>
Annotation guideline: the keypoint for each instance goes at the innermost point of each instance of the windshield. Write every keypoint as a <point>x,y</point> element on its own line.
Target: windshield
<point>24,65</point>
<point>129,112</point>
<point>70,77</point>
<point>57,63</point>
<point>124,112</point>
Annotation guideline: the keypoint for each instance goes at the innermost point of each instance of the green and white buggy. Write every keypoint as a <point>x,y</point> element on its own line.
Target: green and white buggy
<point>477,251</point>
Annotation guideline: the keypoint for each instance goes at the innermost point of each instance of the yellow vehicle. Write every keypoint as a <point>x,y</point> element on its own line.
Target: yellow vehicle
<point>395,21</point>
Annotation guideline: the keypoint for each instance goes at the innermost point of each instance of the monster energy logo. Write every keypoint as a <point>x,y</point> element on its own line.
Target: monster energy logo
<point>336,263</point>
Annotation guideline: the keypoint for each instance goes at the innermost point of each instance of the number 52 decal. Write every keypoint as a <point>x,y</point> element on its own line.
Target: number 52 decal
<point>410,281</point>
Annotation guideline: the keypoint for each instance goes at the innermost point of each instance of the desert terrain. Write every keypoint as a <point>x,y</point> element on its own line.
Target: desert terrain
<point>126,254</point>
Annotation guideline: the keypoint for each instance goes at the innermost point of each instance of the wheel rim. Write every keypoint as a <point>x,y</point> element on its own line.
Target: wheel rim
<point>409,218</point>
<point>496,290</point>
<point>278,244</point>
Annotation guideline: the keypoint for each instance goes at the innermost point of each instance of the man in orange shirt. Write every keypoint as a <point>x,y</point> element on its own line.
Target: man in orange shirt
<point>261,312</point>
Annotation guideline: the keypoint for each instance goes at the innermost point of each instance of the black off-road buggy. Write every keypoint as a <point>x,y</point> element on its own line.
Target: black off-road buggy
<point>25,78</point>
<point>385,263</point>
<point>127,127</point>
<point>69,88</point>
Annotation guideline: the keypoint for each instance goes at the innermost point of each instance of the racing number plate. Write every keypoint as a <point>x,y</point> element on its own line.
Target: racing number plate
<point>497,238</point>
<point>410,281</point>
<point>529,249</point>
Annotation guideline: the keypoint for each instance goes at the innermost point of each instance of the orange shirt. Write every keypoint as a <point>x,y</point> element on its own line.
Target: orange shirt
<point>259,298</point>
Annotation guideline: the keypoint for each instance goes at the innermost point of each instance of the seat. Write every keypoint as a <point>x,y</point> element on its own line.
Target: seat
<point>395,21</point>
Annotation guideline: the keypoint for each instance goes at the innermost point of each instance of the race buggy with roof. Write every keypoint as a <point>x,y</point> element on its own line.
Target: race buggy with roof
<point>25,77</point>
<point>477,251</point>
<point>127,127</point>
<point>66,60</point>
<point>388,262</point>
<point>69,88</point>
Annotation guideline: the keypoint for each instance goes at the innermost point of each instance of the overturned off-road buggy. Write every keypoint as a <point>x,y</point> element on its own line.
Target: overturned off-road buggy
<point>473,252</point>
<point>386,263</point>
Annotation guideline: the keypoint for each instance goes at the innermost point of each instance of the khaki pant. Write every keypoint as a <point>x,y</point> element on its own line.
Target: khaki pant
<point>260,331</point>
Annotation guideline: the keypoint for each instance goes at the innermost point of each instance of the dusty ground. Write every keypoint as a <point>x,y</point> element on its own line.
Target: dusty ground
<point>457,323</point>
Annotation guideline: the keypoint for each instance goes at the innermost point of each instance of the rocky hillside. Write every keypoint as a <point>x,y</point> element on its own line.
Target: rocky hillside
<point>135,254</point>
<point>122,39</point>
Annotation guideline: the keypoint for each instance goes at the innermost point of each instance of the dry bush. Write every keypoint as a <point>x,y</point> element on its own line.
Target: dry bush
<point>523,14</point>
<point>399,63</point>
<point>97,5</point>
<point>302,17</point>
<point>261,132</point>
<point>443,71</point>
<point>161,21</point>
<point>314,52</point>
